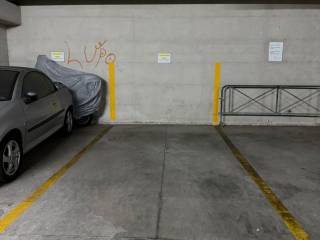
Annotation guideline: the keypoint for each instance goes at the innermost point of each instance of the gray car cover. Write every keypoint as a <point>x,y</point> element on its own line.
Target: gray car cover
<point>86,88</point>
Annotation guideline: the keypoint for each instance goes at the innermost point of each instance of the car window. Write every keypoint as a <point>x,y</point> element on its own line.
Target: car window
<point>7,82</point>
<point>38,83</point>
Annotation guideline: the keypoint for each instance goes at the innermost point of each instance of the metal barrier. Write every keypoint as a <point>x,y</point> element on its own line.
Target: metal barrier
<point>270,100</point>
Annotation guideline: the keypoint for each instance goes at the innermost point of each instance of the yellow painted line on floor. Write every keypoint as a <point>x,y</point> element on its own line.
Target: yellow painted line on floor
<point>112,92</point>
<point>16,212</point>
<point>216,91</point>
<point>293,225</point>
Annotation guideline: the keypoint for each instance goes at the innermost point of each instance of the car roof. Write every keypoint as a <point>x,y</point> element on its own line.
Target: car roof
<point>18,69</point>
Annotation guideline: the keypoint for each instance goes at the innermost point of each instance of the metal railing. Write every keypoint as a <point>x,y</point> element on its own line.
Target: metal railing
<point>269,100</point>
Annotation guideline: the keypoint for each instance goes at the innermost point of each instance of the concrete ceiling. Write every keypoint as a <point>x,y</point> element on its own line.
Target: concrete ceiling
<point>90,2</point>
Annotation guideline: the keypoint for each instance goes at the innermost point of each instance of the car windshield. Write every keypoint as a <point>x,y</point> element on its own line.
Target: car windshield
<point>7,82</point>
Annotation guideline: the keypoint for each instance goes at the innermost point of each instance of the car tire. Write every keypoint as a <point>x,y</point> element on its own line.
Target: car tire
<point>10,159</point>
<point>68,122</point>
<point>84,121</point>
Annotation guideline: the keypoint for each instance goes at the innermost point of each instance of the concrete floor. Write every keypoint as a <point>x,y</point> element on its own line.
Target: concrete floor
<point>169,183</point>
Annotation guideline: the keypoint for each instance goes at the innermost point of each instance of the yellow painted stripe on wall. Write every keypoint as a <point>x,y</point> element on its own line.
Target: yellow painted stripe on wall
<point>289,220</point>
<point>16,212</point>
<point>112,92</point>
<point>216,92</point>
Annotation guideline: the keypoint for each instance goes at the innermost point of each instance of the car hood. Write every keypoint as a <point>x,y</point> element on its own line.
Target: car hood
<point>4,106</point>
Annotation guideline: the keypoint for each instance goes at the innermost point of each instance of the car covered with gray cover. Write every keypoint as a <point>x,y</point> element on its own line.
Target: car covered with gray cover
<point>86,88</point>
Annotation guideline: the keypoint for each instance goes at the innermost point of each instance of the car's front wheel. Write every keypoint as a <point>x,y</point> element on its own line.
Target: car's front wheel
<point>10,159</point>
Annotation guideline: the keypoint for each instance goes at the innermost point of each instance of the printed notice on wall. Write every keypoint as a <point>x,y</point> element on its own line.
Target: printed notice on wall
<point>275,51</point>
<point>164,57</point>
<point>57,56</point>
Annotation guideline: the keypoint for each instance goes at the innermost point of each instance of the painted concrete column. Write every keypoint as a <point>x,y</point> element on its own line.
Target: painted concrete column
<point>10,14</point>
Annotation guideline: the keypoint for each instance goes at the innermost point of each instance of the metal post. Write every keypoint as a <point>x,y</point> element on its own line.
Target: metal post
<point>277,99</point>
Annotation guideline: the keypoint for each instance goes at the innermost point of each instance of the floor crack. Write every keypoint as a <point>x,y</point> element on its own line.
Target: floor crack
<point>160,198</point>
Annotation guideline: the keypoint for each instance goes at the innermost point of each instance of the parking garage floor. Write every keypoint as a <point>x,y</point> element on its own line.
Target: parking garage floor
<point>167,183</point>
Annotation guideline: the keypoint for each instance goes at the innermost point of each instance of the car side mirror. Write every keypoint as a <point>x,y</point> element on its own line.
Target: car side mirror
<point>30,97</point>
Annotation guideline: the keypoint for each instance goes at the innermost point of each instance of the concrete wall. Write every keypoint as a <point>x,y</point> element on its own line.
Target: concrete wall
<point>4,58</point>
<point>197,36</point>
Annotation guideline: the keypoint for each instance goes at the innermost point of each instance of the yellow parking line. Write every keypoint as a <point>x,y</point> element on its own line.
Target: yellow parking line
<point>216,90</point>
<point>293,225</point>
<point>16,212</point>
<point>112,92</point>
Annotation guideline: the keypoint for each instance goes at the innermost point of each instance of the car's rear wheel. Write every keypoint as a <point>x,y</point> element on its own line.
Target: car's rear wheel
<point>84,121</point>
<point>10,159</point>
<point>68,122</point>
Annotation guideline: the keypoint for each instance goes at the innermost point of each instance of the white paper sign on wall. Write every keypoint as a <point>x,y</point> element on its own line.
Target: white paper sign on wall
<point>275,52</point>
<point>57,56</point>
<point>164,57</point>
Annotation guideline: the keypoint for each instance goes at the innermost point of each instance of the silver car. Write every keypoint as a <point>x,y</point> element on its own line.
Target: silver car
<point>31,109</point>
